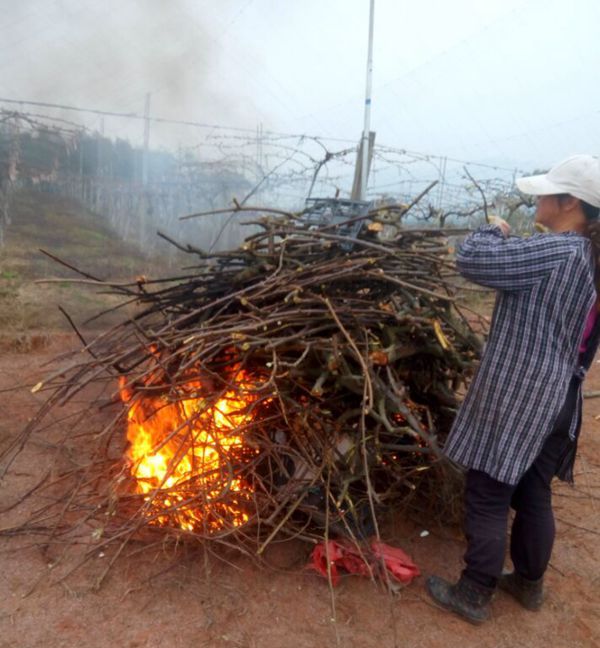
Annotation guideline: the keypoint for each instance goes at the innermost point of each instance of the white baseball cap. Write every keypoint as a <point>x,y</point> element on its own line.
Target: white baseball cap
<point>578,175</point>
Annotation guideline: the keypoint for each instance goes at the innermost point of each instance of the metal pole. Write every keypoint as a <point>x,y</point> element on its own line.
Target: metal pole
<point>442,178</point>
<point>81,166</point>
<point>146,140</point>
<point>367,126</point>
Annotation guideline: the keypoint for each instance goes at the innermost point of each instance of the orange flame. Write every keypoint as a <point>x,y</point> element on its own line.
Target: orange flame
<point>185,453</point>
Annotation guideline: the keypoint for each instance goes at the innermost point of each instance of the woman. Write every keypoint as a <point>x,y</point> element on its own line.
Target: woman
<point>517,427</point>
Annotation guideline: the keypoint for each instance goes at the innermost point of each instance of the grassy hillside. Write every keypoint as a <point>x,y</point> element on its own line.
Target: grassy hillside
<point>68,231</point>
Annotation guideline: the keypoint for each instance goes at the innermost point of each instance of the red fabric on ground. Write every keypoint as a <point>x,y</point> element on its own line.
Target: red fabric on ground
<point>367,560</point>
<point>321,553</point>
<point>396,561</point>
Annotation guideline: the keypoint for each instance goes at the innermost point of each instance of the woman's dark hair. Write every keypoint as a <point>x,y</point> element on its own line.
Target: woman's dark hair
<point>590,212</point>
<point>592,231</point>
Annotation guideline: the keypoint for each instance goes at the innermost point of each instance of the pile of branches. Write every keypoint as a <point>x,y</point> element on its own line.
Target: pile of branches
<point>299,386</point>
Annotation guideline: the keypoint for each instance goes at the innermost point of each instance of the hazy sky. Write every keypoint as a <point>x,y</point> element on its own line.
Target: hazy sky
<point>512,82</point>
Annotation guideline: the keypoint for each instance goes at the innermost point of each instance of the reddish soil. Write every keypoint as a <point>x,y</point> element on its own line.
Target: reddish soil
<point>148,600</point>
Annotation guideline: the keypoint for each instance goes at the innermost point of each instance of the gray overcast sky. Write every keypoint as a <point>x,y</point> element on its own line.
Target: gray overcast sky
<point>511,82</point>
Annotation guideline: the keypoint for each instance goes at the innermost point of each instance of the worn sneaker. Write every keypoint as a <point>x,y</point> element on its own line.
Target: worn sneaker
<point>465,598</point>
<point>529,593</point>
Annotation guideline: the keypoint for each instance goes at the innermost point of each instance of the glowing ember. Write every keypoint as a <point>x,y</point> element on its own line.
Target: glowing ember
<point>186,453</point>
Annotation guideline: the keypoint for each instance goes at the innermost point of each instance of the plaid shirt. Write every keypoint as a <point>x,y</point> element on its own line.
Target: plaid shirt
<point>545,289</point>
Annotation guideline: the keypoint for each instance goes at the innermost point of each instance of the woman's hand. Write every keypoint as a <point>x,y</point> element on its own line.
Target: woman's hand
<point>501,223</point>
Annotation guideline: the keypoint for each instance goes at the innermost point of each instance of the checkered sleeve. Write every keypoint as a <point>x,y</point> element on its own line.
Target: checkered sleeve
<point>488,258</point>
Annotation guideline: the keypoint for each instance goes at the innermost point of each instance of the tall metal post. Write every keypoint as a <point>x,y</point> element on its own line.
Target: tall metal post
<point>99,158</point>
<point>81,191</point>
<point>367,125</point>
<point>146,140</point>
<point>442,179</point>
<point>259,151</point>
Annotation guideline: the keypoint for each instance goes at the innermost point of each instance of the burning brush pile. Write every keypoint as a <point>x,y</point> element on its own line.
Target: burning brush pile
<point>299,386</point>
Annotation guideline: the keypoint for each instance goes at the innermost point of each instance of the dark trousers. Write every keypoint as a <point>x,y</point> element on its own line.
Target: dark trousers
<point>487,503</point>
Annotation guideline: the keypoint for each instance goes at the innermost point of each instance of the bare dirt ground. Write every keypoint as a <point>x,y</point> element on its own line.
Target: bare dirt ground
<point>149,600</point>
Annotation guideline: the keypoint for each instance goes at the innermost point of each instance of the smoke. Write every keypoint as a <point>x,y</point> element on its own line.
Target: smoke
<point>108,55</point>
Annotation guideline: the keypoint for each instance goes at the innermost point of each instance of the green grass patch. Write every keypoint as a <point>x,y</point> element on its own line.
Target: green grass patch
<point>68,231</point>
